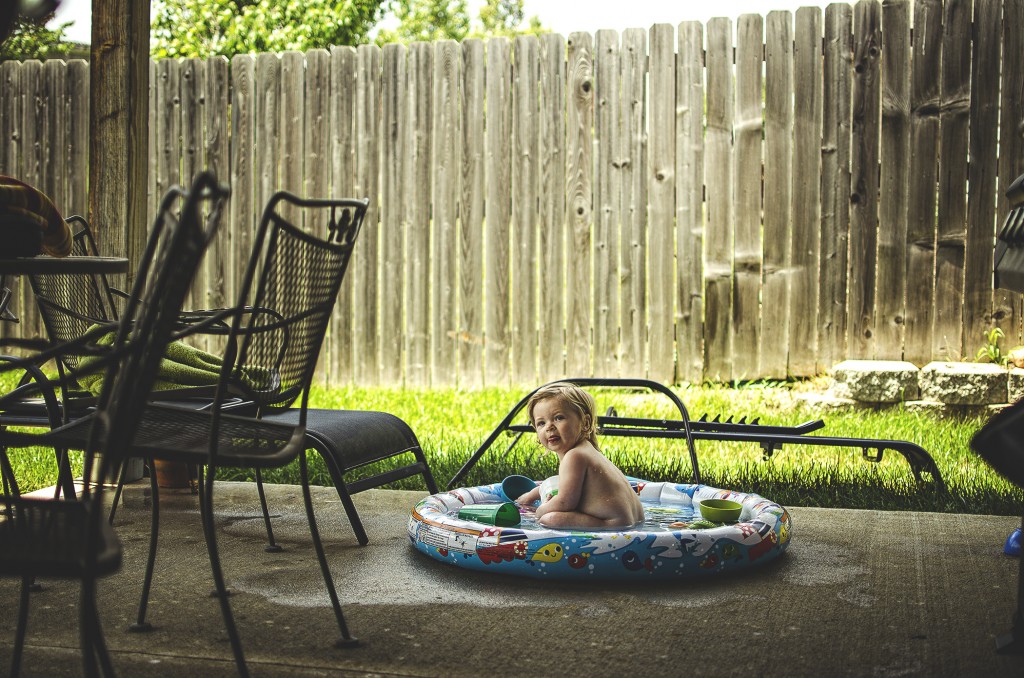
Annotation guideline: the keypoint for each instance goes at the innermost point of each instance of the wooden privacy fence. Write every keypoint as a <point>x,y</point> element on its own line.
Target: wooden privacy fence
<point>746,199</point>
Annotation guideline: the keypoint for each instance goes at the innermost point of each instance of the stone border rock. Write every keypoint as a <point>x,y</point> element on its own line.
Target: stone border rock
<point>939,387</point>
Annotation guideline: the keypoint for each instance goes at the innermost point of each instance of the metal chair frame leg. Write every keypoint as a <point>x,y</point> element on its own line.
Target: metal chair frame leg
<point>141,625</point>
<point>206,499</point>
<point>272,546</point>
<point>19,636</point>
<point>346,640</point>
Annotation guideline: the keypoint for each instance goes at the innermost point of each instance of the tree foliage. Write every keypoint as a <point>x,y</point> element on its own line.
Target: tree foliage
<point>31,39</point>
<point>201,28</point>
<point>428,20</point>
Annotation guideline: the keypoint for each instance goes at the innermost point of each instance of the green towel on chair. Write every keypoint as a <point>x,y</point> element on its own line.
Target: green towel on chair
<point>183,366</point>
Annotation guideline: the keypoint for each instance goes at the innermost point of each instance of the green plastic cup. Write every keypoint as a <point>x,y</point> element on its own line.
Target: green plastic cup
<point>504,514</point>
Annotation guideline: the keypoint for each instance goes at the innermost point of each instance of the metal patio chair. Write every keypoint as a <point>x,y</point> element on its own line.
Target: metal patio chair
<point>70,539</point>
<point>276,330</point>
<point>69,304</point>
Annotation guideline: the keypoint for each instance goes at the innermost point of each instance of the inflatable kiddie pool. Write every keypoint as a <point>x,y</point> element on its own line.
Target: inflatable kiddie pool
<point>667,545</point>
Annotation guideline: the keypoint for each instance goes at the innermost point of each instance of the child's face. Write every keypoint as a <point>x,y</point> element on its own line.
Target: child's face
<point>559,427</point>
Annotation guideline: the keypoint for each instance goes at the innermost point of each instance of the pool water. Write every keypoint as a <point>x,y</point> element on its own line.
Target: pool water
<point>658,517</point>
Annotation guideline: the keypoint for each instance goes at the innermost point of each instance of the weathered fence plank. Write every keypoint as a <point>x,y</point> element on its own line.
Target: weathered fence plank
<point>633,243</point>
<point>416,217</point>
<point>835,185</point>
<point>221,255</point>
<point>778,191</point>
<point>33,140</point>
<point>981,176</point>
<point>77,119</point>
<point>498,219</point>
<point>292,108</point>
<point>392,284</point>
<point>524,211</point>
<point>55,139</point>
<point>242,208</point>
<point>864,179</point>
<point>192,84</point>
<point>1011,144</point>
<point>364,264</point>
<point>718,271</point>
<point>267,123</point>
<point>921,199</point>
<point>343,145</point>
<point>806,233</point>
<point>447,168</point>
<point>609,214</point>
<point>747,173</point>
<point>894,150</point>
<point>661,192</point>
<point>10,123</point>
<point>579,122</point>
<point>690,203</point>
<point>314,151</point>
<point>954,118</point>
<point>551,203</point>
<point>471,218</point>
<point>1008,311</point>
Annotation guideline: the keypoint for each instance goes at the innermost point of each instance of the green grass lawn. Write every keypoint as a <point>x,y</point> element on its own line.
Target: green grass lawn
<point>452,423</point>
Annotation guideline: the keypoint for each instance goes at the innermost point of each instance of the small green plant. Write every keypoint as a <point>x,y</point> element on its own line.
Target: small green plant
<point>990,351</point>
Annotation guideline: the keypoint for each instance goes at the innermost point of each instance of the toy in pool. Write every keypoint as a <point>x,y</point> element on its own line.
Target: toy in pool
<point>667,545</point>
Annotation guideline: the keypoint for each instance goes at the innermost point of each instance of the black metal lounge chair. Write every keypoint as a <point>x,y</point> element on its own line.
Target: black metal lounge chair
<point>771,439</point>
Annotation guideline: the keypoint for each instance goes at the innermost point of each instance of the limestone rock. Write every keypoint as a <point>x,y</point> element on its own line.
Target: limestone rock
<point>958,383</point>
<point>875,381</point>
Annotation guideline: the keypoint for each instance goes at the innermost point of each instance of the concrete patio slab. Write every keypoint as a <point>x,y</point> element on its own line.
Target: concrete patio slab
<point>860,593</point>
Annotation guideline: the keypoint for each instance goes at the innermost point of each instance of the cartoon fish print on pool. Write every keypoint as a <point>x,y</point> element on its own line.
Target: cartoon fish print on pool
<point>764,547</point>
<point>784,532</point>
<point>502,552</point>
<point>578,560</point>
<point>730,551</point>
<point>632,562</point>
<point>549,553</point>
<point>709,562</point>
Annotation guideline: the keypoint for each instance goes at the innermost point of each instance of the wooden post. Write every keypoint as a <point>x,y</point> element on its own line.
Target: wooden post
<point>118,118</point>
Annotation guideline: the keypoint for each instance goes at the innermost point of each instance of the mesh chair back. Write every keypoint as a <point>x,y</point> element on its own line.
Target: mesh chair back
<point>179,236</point>
<point>292,285</point>
<point>70,304</point>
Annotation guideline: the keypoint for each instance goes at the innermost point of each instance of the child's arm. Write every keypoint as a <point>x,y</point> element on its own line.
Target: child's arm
<point>571,472</point>
<point>530,497</point>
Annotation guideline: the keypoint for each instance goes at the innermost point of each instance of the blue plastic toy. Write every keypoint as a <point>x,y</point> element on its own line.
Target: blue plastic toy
<point>1012,546</point>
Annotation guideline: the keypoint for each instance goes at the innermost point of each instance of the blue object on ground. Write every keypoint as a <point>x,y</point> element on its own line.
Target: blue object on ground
<point>1012,546</point>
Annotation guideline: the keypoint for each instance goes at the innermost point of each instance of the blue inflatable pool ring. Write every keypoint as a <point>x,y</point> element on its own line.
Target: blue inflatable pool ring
<point>674,540</point>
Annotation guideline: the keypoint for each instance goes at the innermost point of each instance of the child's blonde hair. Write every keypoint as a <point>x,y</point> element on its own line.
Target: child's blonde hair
<point>574,397</point>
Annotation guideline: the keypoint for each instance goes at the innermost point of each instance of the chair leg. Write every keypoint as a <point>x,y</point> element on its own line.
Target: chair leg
<point>7,473</point>
<point>272,546</point>
<point>19,636</point>
<point>338,478</point>
<point>121,475</point>
<point>95,657</point>
<point>206,498</point>
<point>141,625</point>
<point>427,475</point>
<point>65,480</point>
<point>346,640</point>
<point>350,511</point>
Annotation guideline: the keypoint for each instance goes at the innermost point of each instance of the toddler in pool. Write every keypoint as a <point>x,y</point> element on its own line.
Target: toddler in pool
<point>592,491</point>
